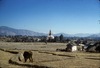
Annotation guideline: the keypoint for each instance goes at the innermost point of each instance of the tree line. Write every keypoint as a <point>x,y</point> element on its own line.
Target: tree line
<point>20,38</point>
<point>61,38</point>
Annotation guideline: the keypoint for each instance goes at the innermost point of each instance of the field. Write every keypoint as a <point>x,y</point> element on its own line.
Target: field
<point>46,56</point>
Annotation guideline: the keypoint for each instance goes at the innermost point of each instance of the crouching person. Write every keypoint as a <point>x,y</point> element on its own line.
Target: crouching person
<point>28,55</point>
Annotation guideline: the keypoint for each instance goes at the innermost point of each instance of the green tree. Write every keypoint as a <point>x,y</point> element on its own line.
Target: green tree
<point>56,39</point>
<point>61,38</point>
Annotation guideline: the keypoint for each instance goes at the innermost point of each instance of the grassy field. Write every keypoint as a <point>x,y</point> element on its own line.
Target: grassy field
<point>45,55</point>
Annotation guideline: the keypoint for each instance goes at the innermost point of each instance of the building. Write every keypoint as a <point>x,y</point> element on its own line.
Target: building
<point>50,36</point>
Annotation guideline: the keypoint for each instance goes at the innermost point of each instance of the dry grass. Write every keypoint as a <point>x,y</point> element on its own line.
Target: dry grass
<point>46,55</point>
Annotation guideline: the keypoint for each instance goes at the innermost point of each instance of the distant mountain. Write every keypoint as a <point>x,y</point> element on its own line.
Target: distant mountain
<point>82,35</point>
<point>95,35</point>
<point>4,30</point>
<point>65,35</point>
<point>73,35</point>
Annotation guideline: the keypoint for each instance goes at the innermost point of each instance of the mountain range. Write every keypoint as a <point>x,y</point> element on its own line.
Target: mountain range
<point>4,30</point>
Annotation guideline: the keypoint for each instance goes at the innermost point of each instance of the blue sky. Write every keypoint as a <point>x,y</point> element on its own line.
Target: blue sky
<point>61,16</point>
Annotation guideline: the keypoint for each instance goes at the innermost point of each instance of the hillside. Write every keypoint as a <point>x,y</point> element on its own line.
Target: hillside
<point>4,30</point>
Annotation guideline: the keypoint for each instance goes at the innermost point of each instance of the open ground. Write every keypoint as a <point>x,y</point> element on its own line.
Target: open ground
<point>46,56</point>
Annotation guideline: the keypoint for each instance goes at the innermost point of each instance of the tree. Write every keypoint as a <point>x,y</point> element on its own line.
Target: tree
<point>56,39</point>
<point>61,38</point>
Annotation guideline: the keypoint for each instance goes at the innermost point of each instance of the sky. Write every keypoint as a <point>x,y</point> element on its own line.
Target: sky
<point>59,16</point>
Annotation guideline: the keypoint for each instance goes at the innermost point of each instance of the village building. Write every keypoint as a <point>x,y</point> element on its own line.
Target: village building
<point>71,47</point>
<point>50,37</point>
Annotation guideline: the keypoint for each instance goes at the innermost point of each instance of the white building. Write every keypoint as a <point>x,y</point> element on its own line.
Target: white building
<point>71,47</point>
<point>50,36</point>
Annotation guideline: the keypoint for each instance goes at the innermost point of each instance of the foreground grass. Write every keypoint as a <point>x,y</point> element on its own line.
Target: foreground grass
<point>46,55</point>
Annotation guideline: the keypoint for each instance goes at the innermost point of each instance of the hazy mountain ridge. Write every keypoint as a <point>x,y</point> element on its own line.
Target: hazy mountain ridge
<point>11,31</point>
<point>95,35</point>
<point>64,34</point>
<point>82,35</point>
<point>4,30</point>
